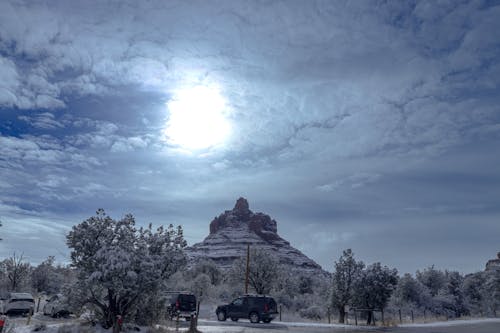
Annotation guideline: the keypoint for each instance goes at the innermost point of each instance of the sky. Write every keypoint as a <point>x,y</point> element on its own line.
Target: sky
<point>371,125</point>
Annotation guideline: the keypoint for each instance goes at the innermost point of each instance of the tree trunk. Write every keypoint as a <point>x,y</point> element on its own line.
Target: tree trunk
<point>341,315</point>
<point>369,318</point>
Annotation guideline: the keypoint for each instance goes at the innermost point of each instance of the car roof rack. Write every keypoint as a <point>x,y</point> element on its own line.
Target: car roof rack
<point>178,292</point>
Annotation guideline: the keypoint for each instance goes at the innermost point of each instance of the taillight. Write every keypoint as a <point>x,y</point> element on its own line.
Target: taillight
<point>177,304</point>
<point>266,307</point>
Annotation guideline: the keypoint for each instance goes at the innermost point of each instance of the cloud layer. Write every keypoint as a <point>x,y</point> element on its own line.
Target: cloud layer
<point>357,118</point>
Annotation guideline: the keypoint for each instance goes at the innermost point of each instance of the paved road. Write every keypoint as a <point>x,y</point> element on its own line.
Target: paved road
<point>246,327</point>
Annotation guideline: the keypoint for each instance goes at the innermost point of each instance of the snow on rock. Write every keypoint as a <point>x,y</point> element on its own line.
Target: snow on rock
<point>493,264</point>
<point>232,231</point>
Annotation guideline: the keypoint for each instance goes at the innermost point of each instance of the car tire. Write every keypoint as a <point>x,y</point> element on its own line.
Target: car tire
<point>234,318</point>
<point>254,317</point>
<point>267,321</point>
<point>221,316</point>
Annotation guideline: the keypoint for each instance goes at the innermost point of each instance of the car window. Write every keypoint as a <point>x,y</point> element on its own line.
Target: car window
<point>187,298</point>
<point>238,301</point>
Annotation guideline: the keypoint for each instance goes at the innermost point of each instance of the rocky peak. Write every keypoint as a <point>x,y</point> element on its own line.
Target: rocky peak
<point>241,205</point>
<point>493,264</point>
<point>233,230</point>
<point>241,209</point>
<point>242,216</point>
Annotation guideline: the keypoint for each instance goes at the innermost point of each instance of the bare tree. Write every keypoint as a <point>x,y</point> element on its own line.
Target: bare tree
<point>263,271</point>
<point>17,271</point>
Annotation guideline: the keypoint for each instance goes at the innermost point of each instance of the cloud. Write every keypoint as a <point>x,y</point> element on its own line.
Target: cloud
<point>340,110</point>
<point>43,120</point>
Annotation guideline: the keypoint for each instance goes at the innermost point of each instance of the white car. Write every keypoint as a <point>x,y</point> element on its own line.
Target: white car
<point>56,306</point>
<point>19,303</point>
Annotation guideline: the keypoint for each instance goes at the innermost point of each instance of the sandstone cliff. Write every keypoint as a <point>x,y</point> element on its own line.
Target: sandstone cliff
<point>231,231</point>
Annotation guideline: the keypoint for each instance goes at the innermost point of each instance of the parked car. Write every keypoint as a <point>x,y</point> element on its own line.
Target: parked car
<point>18,303</point>
<point>254,307</point>
<point>56,306</point>
<point>182,305</point>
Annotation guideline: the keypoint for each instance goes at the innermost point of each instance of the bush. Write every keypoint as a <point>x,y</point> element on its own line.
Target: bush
<point>313,312</point>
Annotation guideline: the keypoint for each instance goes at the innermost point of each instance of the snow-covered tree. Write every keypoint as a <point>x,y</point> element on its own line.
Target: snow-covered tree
<point>492,291</point>
<point>433,279</point>
<point>201,287</point>
<point>374,288</point>
<point>473,289</point>
<point>208,267</point>
<point>410,292</point>
<point>17,272</point>
<point>120,265</point>
<point>263,271</point>
<point>46,277</point>
<point>454,290</point>
<point>347,271</point>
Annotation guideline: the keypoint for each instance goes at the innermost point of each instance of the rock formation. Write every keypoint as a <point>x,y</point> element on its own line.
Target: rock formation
<point>493,264</point>
<point>232,231</point>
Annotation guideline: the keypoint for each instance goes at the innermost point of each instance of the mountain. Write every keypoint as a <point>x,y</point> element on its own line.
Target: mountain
<point>493,264</point>
<point>232,231</point>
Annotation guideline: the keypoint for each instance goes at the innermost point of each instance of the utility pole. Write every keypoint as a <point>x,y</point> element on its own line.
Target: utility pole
<point>248,268</point>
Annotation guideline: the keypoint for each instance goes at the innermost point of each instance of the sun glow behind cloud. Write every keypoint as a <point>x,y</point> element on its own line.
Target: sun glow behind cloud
<point>197,118</point>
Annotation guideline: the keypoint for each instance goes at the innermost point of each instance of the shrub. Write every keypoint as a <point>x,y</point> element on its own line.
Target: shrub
<point>313,312</point>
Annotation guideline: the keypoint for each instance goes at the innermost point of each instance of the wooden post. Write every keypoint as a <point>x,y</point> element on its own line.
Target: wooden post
<point>280,312</point>
<point>383,322</point>
<point>38,305</point>
<point>424,316</point>
<point>329,316</point>
<point>412,318</point>
<point>248,268</point>
<point>400,319</point>
<point>355,317</point>
<point>29,317</point>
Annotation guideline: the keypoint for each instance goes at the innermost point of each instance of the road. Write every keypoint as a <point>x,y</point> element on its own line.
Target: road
<point>246,327</point>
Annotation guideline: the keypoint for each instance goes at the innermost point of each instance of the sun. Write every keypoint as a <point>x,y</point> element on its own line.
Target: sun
<point>197,118</point>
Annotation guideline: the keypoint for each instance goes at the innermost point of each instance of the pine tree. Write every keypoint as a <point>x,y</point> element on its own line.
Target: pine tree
<point>347,272</point>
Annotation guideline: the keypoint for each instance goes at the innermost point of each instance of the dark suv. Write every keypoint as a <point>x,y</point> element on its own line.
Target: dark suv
<point>182,305</point>
<point>255,308</point>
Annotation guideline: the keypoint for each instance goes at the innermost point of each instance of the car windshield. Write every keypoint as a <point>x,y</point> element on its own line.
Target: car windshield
<point>21,300</point>
<point>187,298</point>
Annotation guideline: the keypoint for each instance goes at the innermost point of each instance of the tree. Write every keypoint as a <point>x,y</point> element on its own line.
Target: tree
<point>410,292</point>
<point>17,271</point>
<point>46,277</point>
<point>454,289</point>
<point>119,265</point>
<point>347,271</point>
<point>473,292</point>
<point>433,279</point>
<point>208,267</point>
<point>263,271</point>
<point>374,288</point>
<point>492,290</point>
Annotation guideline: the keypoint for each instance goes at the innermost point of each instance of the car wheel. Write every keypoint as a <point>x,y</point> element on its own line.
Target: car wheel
<point>234,318</point>
<point>267,321</point>
<point>254,317</point>
<point>221,316</point>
